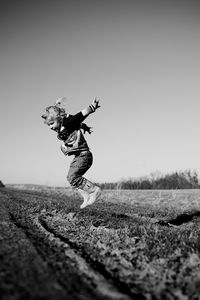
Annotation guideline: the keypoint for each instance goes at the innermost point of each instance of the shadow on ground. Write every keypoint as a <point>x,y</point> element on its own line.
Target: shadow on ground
<point>184,218</point>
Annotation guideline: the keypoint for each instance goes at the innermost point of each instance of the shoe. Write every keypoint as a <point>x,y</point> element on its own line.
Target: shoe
<point>85,196</point>
<point>90,193</point>
<point>84,204</point>
<point>94,195</point>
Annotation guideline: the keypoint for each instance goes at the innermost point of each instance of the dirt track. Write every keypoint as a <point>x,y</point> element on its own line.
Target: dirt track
<point>36,264</point>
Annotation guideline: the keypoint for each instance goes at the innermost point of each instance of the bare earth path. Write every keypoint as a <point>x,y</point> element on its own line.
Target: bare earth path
<point>36,264</point>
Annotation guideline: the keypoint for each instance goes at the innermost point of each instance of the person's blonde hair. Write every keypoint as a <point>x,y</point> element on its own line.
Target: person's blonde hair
<point>54,112</point>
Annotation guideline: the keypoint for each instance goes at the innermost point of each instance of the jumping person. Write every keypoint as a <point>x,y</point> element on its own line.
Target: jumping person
<point>69,129</point>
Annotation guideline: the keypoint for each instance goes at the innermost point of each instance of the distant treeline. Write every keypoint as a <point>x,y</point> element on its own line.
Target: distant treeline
<point>177,180</point>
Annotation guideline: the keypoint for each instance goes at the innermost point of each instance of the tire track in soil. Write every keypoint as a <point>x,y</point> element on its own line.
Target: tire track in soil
<point>71,271</point>
<point>76,273</point>
<point>96,266</point>
<point>23,273</point>
<point>92,276</point>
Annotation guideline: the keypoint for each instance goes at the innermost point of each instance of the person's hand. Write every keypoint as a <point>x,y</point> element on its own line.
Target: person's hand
<point>91,108</point>
<point>95,104</point>
<point>86,128</point>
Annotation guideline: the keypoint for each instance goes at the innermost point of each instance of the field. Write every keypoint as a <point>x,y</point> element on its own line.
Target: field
<point>128,245</point>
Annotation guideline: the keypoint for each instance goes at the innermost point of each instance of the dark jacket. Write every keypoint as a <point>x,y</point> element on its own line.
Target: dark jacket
<point>71,135</point>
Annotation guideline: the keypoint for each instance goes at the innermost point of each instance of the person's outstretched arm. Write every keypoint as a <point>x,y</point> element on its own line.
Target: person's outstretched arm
<point>91,108</point>
<point>73,122</point>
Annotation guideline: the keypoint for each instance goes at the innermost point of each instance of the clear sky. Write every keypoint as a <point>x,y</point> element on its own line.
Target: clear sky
<point>141,58</point>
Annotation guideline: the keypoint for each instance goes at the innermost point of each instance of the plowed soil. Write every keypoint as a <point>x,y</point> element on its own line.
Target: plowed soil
<point>38,263</point>
<point>134,245</point>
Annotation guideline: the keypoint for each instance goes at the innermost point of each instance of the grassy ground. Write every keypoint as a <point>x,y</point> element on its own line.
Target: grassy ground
<point>145,242</point>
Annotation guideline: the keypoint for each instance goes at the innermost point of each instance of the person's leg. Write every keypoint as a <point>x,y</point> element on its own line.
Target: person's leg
<point>78,167</point>
<point>80,164</point>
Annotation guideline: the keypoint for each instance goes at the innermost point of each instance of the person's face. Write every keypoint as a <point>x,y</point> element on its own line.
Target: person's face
<point>54,125</point>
